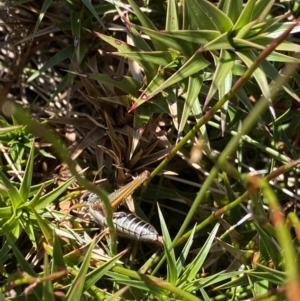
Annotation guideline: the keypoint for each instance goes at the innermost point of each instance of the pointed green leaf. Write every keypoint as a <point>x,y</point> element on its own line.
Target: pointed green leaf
<point>272,73</point>
<point>248,57</point>
<point>181,261</point>
<point>222,42</point>
<point>171,260</point>
<point>192,36</point>
<point>124,83</point>
<point>224,88</point>
<point>246,44</point>
<point>26,222</point>
<point>223,67</point>
<point>198,261</point>
<point>220,20</point>
<point>76,31</point>
<point>267,247</point>
<point>146,22</point>
<point>48,293</point>
<point>15,197</point>
<point>55,60</point>
<point>8,225</point>
<point>126,48</point>
<point>262,9</point>
<point>98,273</point>
<point>154,57</point>
<point>172,20</point>
<point>170,40</point>
<point>46,230</point>
<point>273,275</point>
<point>246,16</point>
<point>52,195</point>
<point>283,58</point>
<point>76,288</point>
<point>196,63</point>
<point>194,87</point>
<point>245,30</point>
<point>118,44</point>
<point>36,199</point>
<point>58,262</point>
<point>91,8</point>
<point>26,183</point>
<point>42,12</point>
<point>23,263</point>
<point>6,212</point>
<point>14,235</point>
<point>232,8</point>
<point>284,46</point>
<point>198,17</point>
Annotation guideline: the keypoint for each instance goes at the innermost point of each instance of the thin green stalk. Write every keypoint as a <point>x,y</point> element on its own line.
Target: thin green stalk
<point>293,220</point>
<point>101,294</point>
<point>283,236</point>
<point>156,281</point>
<point>275,154</point>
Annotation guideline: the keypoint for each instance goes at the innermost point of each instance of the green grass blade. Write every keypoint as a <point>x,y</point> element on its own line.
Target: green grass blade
<point>263,272</point>
<point>232,8</point>
<point>171,260</point>
<point>205,295</point>
<point>172,41</point>
<point>147,23</point>
<point>27,224</point>
<point>36,198</point>
<point>26,183</point>
<point>224,65</point>
<point>172,18</point>
<point>25,266</point>
<point>198,261</point>
<point>155,57</point>
<point>246,15</point>
<point>46,230</point>
<point>55,60</point>
<point>194,87</point>
<point>76,288</point>
<point>91,8</point>
<point>76,31</point>
<point>6,212</point>
<point>262,9</point>
<point>124,83</point>
<point>248,57</point>
<point>272,73</point>
<point>181,261</point>
<point>198,18</point>
<point>49,197</point>
<point>98,273</point>
<point>58,262</point>
<point>15,197</point>
<point>48,293</point>
<point>196,63</point>
<point>43,10</point>
<point>192,36</point>
<point>219,19</point>
<point>221,42</point>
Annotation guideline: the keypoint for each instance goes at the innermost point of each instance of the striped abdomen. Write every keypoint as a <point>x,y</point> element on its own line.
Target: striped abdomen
<point>128,225</point>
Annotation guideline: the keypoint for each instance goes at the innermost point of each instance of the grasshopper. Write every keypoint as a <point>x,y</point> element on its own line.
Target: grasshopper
<point>126,224</point>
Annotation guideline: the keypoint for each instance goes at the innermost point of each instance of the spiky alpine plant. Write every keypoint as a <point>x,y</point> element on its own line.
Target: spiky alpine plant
<point>201,53</point>
<point>176,72</point>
